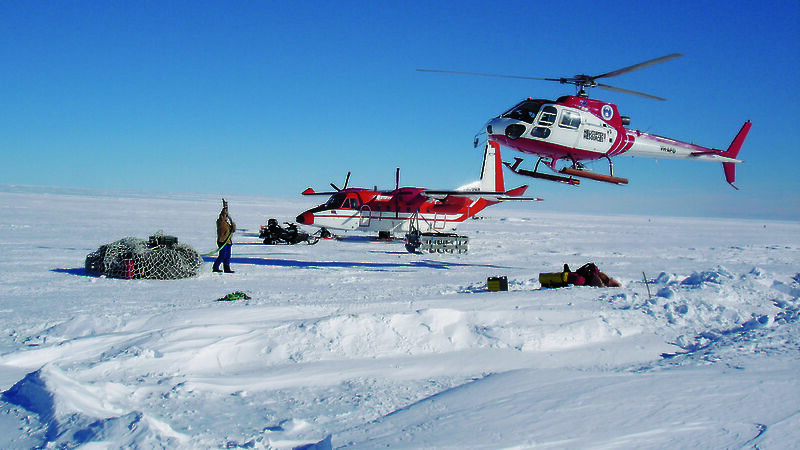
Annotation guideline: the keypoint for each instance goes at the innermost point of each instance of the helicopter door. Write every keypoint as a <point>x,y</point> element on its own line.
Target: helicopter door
<point>364,216</point>
<point>546,119</point>
<point>568,124</point>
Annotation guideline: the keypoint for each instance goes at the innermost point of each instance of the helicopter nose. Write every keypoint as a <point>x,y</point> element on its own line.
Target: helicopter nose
<point>305,219</point>
<point>503,126</point>
<point>493,125</point>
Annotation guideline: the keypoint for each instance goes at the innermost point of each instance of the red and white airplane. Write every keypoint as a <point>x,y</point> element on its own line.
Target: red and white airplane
<point>576,128</point>
<point>393,212</point>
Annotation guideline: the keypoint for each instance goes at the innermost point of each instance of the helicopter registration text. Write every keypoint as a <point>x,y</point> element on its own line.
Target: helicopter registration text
<point>592,135</point>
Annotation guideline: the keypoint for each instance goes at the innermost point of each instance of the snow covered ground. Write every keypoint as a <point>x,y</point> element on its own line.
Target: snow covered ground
<point>358,344</point>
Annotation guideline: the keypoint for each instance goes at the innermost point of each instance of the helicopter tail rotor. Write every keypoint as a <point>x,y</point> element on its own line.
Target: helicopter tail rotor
<point>733,151</point>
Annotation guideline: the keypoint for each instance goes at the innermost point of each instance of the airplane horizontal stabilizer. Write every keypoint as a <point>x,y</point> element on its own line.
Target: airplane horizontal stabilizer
<point>516,194</point>
<point>517,191</point>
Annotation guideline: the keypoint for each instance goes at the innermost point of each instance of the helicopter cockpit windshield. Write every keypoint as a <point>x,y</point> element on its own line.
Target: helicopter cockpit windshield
<point>524,111</point>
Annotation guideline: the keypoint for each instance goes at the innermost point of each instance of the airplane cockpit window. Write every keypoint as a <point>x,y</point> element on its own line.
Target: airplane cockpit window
<point>525,111</point>
<point>570,119</point>
<point>350,203</point>
<point>334,202</point>
<point>548,116</point>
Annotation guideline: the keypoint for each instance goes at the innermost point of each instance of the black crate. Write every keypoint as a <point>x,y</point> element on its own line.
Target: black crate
<point>160,239</point>
<point>495,284</point>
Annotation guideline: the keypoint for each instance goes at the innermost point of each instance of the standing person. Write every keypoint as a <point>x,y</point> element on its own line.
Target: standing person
<point>225,229</point>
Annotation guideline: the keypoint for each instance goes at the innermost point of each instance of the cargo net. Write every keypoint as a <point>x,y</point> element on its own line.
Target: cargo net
<point>160,258</point>
<point>436,243</point>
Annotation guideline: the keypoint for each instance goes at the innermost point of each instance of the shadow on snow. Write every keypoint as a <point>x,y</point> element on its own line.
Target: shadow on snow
<point>77,271</point>
<point>348,264</point>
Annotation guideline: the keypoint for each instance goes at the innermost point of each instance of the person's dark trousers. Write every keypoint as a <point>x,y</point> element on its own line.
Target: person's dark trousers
<point>224,257</point>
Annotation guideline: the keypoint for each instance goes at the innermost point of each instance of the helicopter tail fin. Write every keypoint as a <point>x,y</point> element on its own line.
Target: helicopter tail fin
<point>732,152</point>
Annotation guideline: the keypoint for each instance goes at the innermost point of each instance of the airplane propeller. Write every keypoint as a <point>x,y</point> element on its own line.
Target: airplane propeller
<point>582,80</point>
<point>346,179</point>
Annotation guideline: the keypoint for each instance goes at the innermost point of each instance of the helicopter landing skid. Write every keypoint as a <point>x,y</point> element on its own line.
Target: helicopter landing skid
<point>535,174</point>
<point>577,171</point>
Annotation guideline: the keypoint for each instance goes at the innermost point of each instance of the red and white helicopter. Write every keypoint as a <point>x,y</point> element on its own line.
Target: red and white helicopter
<point>576,128</point>
<point>398,210</point>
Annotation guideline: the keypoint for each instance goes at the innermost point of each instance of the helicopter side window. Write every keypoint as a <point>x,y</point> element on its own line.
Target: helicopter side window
<point>548,116</point>
<point>570,119</point>
<point>541,132</point>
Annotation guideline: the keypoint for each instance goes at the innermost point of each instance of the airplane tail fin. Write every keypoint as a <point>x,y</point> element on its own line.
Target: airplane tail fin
<point>492,172</point>
<point>732,152</point>
<point>491,187</point>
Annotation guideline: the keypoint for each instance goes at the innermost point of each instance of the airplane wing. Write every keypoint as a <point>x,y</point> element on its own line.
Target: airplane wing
<point>513,194</point>
<point>434,194</point>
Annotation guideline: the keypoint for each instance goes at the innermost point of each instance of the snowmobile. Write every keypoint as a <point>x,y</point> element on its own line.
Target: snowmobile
<point>274,234</point>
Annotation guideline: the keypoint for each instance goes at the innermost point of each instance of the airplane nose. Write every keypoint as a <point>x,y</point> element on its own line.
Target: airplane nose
<point>305,219</point>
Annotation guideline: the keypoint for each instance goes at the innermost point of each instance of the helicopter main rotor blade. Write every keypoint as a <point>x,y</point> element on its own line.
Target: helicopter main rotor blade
<point>639,66</point>
<point>582,81</point>
<point>628,91</point>
<point>487,74</point>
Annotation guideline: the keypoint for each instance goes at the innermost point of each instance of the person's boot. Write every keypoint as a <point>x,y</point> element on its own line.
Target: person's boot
<point>216,269</point>
<point>228,269</point>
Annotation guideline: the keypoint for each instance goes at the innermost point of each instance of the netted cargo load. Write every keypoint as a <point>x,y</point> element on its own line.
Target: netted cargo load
<point>160,258</point>
<point>417,242</point>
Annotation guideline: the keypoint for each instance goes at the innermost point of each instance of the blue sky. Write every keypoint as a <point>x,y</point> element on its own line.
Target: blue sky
<point>267,98</point>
